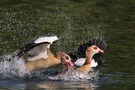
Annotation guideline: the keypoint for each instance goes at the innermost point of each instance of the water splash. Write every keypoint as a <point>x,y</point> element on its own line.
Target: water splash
<point>74,75</point>
<point>11,67</point>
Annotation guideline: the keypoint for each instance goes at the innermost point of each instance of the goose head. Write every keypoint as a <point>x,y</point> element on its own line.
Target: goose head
<point>64,59</point>
<point>90,51</point>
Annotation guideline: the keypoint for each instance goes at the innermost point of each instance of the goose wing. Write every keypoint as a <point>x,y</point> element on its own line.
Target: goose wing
<point>37,49</point>
<point>94,63</point>
<point>80,62</point>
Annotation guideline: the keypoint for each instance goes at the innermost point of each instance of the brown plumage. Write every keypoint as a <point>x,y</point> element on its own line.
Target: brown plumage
<point>90,52</point>
<point>86,66</point>
<point>37,55</point>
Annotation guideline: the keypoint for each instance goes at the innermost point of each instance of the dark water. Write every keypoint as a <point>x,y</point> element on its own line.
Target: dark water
<point>74,22</point>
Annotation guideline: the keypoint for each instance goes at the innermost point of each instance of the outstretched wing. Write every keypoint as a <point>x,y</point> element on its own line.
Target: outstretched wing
<point>37,49</point>
<point>37,52</point>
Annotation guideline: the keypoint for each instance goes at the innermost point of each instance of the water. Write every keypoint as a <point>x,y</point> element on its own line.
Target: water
<point>74,22</point>
<point>14,75</point>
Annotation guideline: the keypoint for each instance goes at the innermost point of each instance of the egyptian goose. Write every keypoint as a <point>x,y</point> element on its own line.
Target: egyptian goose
<point>80,55</point>
<point>37,54</point>
<point>84,65</point>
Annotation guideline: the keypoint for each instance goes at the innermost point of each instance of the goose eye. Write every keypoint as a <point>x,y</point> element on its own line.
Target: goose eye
<point>67,57</point>
<point>95,48</point>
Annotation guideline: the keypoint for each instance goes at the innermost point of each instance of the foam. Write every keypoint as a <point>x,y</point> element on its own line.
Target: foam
<point>74,75</point>
<point>12,67</point>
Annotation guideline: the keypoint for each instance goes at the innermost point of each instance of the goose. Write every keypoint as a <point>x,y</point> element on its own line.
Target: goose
<point>85,64</point>
<point>37,54</point>
<point>79,56</point>
<point>82,67</point>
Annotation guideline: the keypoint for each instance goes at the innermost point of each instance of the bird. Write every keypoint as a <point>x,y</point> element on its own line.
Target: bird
<point>82,68</point>
<point>79,56</point>
<point>88,62</point>
<point>37,54</point>
<point>85,64</point>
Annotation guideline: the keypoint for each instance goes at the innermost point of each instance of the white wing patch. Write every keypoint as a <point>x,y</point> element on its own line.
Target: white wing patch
<point>50,39</point>
<point>80,61</point>
<point>93,63</point>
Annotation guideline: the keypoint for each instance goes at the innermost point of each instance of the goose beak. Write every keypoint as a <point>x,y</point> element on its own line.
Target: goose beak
<point>70,64</point>
<point>101,51</point>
